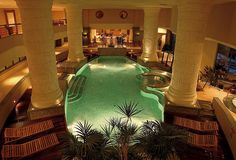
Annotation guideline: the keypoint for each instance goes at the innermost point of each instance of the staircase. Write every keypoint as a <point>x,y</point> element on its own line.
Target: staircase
<point>75,89</point>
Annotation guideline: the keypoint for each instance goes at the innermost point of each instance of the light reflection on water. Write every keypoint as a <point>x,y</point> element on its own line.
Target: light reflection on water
<point>110,81</point>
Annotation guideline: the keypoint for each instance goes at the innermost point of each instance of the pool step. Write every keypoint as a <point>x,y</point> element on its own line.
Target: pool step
<point>75,91</point>
<point>72,85</point>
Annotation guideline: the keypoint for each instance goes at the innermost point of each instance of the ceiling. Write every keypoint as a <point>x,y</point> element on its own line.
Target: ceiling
<point>87,4</point>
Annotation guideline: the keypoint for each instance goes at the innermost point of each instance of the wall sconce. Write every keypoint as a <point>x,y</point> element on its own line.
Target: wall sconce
<point>137,33</point>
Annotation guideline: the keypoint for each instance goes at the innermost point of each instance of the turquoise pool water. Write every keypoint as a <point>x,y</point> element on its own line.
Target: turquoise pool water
<point>112,81</point>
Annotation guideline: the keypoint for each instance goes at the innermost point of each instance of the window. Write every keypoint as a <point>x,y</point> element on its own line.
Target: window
<point>226,59</point>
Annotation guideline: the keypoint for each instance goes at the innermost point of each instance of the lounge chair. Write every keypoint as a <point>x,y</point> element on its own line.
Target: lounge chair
<point>11,134</point>
<point>206,126</point>
<point>203,140</point>
<point>29,148</point>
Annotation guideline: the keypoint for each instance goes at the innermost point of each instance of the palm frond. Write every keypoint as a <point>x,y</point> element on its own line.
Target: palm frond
<point>71,147</point>
<point>128,110</point>
<point>151,127</point>
<point>83,129</point>
<point>159,140</point>
<point>114,122</point>
<point>107,130</point>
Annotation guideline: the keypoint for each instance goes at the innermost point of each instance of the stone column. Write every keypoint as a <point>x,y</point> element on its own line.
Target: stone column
<point>74,32</point>
<point>191,26</point>
<point>39,43</point>
<point>150,34</point>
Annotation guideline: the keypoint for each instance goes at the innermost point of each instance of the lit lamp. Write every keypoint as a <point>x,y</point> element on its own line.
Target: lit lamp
<point>145,59</point>
<point>162,30</point>
<point>85,34</point>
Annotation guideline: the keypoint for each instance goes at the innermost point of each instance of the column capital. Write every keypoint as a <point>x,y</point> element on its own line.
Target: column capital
<point>154,10</point>
<point>34,4</point>
<point>72,6</point>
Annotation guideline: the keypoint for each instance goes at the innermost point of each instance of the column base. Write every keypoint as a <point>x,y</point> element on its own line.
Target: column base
<point>144,62</point>
<point>181,99</point>
<point>71,67</point>
<point>171,108</point>
<point>148,58</point>
<point>36,113</point>
<point>46,100</point>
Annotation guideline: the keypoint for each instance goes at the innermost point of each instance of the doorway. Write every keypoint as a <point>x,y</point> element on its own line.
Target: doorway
<point>11,25</point>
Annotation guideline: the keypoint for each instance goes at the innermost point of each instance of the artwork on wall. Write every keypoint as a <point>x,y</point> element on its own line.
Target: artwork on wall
<point>123,14</point>
<point>99,14</point>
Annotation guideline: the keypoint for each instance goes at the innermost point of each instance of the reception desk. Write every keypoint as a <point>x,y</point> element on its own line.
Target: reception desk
<point>110,51</point>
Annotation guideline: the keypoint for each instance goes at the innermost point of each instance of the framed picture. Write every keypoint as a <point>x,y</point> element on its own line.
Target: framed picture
<point>123,14</point>
<point>99,14</point>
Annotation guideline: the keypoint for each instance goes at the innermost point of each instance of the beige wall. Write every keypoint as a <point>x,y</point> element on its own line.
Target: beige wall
<point>135,18</point>
<point>11,54</point>
<point>165,18</point>
<point>12,47</point>
<point>111,16</point>
<point>60,32</point>
<point>174,17</point>
<point>3,18</point>
<point>55,15</point>
<point>222,25</point>
<point>58,15</point>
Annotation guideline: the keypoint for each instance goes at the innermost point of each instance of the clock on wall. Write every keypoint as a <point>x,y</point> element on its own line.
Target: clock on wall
<point>123,14</point>
<point>99,14</point>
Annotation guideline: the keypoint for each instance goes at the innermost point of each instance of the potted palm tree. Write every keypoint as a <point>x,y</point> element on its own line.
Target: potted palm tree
<point>121,139</point>
<point>84,145</point>
<point>121,132</point>
<point>161,141</point>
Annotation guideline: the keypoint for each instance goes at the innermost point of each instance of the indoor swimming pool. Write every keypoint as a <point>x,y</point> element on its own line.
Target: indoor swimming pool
<point>105,82</point>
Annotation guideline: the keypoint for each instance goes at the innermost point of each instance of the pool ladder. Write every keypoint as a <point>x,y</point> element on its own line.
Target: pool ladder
<point>75,89</point>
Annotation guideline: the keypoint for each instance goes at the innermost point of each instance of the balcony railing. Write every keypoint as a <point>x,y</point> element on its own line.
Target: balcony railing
<point>59,22</point>
<point>14,29</point>
<point>10,29</point>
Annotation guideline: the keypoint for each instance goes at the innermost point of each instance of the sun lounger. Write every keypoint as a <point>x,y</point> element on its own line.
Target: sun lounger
<point>15,133</point>
<point>203,140</point>
<point>29,148</point>
<point>196,125</point>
